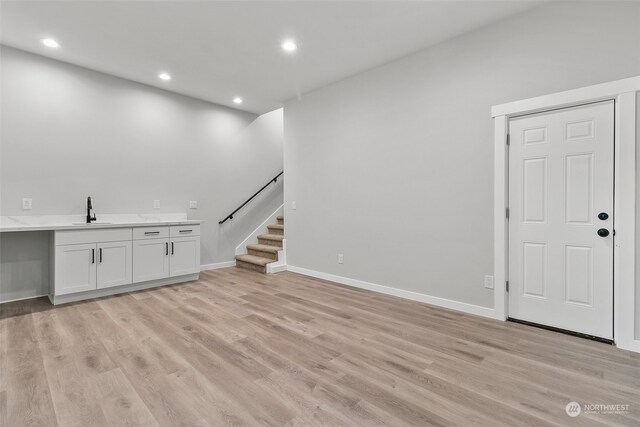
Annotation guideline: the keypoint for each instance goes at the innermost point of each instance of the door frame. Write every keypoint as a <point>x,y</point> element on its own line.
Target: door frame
<point>624,93</point>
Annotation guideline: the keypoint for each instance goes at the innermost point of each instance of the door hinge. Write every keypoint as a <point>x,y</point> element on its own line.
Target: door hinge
<point>508,139</point>
<point>507,286</point>
<point>507,213</point>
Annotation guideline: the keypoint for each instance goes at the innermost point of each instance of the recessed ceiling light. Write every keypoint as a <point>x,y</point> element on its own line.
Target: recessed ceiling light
<point>50,43</point>
<point>237,100</point>
<point>164,76</point>
<point>289,46</point>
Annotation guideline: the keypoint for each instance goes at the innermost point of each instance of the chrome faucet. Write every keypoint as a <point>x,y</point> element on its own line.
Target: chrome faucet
<point>89,207</point>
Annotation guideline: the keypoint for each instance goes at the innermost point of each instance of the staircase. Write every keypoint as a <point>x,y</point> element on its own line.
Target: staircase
<point>266,251</point>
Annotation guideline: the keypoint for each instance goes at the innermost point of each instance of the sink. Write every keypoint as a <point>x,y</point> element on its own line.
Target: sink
<point>93,223</point>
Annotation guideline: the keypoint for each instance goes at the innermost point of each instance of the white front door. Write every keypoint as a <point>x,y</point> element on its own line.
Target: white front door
<point>561,218</point>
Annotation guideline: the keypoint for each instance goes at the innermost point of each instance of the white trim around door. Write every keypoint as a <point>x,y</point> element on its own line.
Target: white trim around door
<point>623,92</point>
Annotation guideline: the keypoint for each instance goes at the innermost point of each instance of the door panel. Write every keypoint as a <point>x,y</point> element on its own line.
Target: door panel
<point>114,264</point>
<point>534,190</point>
<point>534,269</point>
<point>578,274</point>
<point>75,268</point>
<point>560,179</point>
<point>150,259</point>
<point>185,256</point>
<point>579,189</point>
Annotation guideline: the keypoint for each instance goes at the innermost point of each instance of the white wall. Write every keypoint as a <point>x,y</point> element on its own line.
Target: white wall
<point>394,166</point>
<point>68,133</point>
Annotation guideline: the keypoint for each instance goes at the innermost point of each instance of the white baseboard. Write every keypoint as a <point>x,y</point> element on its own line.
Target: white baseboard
<point>633,345</point>
<point>415,296</point>
<point>217,265</point>
<point>277,268</point>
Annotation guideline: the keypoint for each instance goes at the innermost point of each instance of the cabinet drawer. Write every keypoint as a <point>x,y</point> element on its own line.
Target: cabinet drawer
<point>142,233</point>
<point>184,230</point>
<point>74,237</point>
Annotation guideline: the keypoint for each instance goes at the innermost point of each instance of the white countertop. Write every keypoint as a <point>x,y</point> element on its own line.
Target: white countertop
<point>77,222</point>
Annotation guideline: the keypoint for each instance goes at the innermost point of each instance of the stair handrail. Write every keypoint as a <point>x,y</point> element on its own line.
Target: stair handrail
<point>271,181</point>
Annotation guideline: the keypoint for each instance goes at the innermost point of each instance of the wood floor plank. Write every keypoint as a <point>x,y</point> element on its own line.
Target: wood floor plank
<point>216,407</point>
<point>229,379</point>
<point>155,389</point>
<point>242,348</point>
<point>119,401</point>
<point>28,396</point>
<point>71,392</point>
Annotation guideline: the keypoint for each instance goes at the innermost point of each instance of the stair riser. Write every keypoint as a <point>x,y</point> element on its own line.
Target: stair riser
<point>281,221</point>
<point>252,267</point>
<point>263,254</point>
<point>276,231</point>
<point>276,243</point>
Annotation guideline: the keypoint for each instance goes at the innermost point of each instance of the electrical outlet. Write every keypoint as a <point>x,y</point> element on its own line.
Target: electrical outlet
<point>193,204</point>
<point>340,259</point>
<point>293,206</point>
<point>488,282</point>
<point>27,204</point>
<point>156,204</point>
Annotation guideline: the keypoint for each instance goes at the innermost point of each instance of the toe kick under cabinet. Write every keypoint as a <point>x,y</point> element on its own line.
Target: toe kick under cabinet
<point>99,262</point>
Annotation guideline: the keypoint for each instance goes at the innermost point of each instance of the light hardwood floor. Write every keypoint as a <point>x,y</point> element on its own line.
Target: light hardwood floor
<point>243,348</point>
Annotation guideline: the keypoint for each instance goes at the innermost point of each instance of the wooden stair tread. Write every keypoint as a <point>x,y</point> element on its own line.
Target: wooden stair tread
<point>280,217</point>
<point>264,248</point>
<point>276,226</point>
<point>255,260</point>
<point>275,237</point>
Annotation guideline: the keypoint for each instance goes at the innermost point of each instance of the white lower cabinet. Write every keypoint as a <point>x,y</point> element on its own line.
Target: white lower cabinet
<point>114,264</point>
<point>90,260</point>
<point>157,258</point>
<point>150,259</point>
<point>75,268</point>
<point>85,267</point>
<point>185,255</point>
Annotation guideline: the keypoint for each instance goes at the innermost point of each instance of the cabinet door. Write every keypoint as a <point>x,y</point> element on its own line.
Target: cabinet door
<point>75,268</point>
<point>185,255</point>
<point>150,259</point>
<point>114,264</point>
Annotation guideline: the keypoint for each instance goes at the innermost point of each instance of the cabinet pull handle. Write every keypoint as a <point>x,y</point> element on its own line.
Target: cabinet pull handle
<point>171,248</point>
<point>93,256</point>
<point>166,248</point>
<point>185,231</point>
<point>147,233</point>
<point>100,254</point>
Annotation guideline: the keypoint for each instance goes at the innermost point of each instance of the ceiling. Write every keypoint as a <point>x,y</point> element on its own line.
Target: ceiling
<point>219,50</point>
